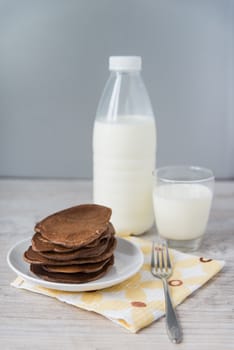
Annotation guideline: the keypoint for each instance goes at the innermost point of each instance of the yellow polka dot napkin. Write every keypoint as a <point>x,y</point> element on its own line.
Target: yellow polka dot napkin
<point>138,301</point>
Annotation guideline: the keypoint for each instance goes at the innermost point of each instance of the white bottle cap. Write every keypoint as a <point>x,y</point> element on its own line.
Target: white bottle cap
<point>125,63</point>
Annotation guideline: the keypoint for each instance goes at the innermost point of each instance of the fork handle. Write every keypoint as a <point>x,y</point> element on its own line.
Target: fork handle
<point>173,327</point>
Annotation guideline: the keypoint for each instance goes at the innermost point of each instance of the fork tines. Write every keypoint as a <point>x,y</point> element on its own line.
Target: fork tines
<point>160,259</point>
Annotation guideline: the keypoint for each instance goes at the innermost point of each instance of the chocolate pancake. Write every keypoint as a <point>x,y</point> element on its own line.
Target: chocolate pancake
<point>80,277</point>
<point>41,244</point>
<point>87,268</point>
<point>76,226</point>
<point>81,253</point>
<point>37,259</point>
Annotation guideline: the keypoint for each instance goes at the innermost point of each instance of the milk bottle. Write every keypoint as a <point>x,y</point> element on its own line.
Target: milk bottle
<point>124,147</point>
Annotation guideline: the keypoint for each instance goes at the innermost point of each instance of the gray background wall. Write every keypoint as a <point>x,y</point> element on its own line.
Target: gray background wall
<point>53,66</point>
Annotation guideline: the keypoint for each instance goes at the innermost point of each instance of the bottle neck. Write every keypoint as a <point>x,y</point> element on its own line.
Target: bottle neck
<point>133,73</point>
<point>124,95</point>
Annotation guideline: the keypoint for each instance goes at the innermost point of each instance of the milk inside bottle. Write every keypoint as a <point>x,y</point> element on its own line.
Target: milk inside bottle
<point>124,148</point>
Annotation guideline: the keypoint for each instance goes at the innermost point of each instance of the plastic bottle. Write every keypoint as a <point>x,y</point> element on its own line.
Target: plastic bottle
<point>124,148</point>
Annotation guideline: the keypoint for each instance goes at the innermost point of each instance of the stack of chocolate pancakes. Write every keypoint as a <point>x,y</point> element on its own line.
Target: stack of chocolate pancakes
<point>75,245</point>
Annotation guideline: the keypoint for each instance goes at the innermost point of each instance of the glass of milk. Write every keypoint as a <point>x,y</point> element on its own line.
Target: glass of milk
<point>182,199</point>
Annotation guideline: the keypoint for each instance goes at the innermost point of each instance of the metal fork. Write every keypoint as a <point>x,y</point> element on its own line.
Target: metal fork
<point>161,267</point>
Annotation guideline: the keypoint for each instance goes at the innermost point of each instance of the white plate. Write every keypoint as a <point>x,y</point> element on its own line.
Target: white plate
<point>128,261</point>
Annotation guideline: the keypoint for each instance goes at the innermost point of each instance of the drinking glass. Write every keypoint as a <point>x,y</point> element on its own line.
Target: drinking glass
<point>182,199</point>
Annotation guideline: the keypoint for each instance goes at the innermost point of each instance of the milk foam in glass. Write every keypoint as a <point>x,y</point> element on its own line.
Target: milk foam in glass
<point>124,148</point>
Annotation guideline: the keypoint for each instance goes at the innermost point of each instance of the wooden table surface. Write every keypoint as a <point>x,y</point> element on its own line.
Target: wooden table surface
<point>32,321</point>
